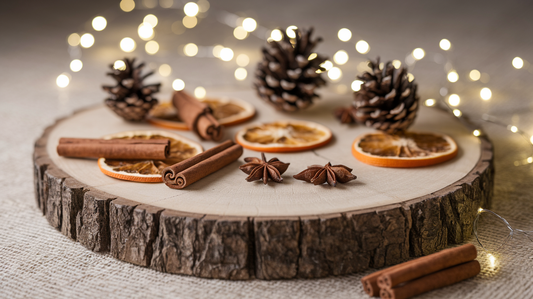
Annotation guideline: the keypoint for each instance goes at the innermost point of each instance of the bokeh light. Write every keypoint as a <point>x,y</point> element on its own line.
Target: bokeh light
<point>335,73</point>
<point>445,44</point>
<point>226,54</point>
<point>327,65</point>
<point>190,49</point>
<point>476,133</point>
<point>191,9</point>
<point>290,31</point>
<point>356,85</point>
<point>419,53</point>
<point>453,76</point>
<point>410,77</point>
<point>344,34</point>
<point>76,65</point>
<point>99,23</point>
<point>518,63</point>
<point>166,3</point>
<point>73,39</point>
<point>189,22</point>
<point>150,19</point>
<point>127,44</point>
<point>249,24</point>
<point>485,93</point>
<point>200,92</point>
<point>62,80</point>
<point>87,40</point>
<point>513,129</point>
<point>240,74</point>
<point>165,70</point>
<point>457,112</point>
<point>454,100</point>
<point>203,5</point>
<point>341,57</point>
<point>242,60</point>
<point>276,35</point>
<point>127,5</point>
<point>119,65</point>
<point>239,33</point>
<point>145,31</point>
<point>474,75</point>
<point>430,102</point>
<point>362,47</point>
<point>396,63</point>
<point>151,47</point>
<point>178,84</point>
<point>216,50</point>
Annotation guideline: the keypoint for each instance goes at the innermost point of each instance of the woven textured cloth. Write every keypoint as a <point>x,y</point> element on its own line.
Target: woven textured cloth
<point>37,261</point>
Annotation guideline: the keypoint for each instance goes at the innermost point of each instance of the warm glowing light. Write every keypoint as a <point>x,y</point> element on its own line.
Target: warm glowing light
<point>396,63</point>
<point>119,65</point>
<point>240,74</point>
<point>453,76</point>
<point>430,102</point>
<point>327,65</point>
<point>178,84</point>
<point>513,129</point>
<point>76,65</point>
<point>362,47</point>
<point>312,56</point>
<point>249,24</point>
<point>62,80</point>
<point>518,63</point>
<point>165,70</point>
<point>189,22</point>
<point>240,33</point>
<point>454,100</point>
<point>190,49</point>
<point>150,19</point>
<point>356,85</point>
<point>485,93</point>
<point>419,53</point>
<point>480,209</point>
<point>243,60</point>
<point>475,75</point>
<point>87,40</point>
<point>410,77</point>
<point>151,47</point>
<point>341,57</point>
<point>457,112</point>
<point>99,23</point>
<point>127,44</point>
<point>531,139</point>
<point>127,5</point>
<point>335,73</point>
<point>145,31</point>
<point>199,92</point>
<point>477,133</point>
<point>344,34</point>
<point>291,31</point>
<point>73,39</point>
<point>226,54</point>
<point>216,50</point>
<point>191,9</point>
<point>445,44</point>
<point>276,35</point>
<point>492,260</point>
<point>529,160</point>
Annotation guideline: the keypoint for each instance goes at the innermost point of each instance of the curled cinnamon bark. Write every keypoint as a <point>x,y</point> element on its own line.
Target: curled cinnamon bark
<point>198,116</point>
<point>134,149</point>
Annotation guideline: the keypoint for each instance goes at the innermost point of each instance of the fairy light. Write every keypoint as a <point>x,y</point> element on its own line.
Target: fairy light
<point>290,31</point>
<point>418,53</point>
<point>166,3</point>
<point>485,93</point>
<point>531,139</point>
<point>216,50</point>
<point>335,73</point>
<point>445,44</point>
<point>165,70</point>
<point>410,77</point>
<point>151,47</point>
<point>474,75</point>
<point>240,74</point>
<point>226,54</point>
<point>341,57</point>
<point>62,80</point>
<point>178,84</point>
<point>513,129</point>
<point>430,102</point>
<point>127,44</point>
<point>199,92</point>
<point>362,47</point>
<point>145,31</point>
<point>87,40</point>
<point>344,34</point>
<point>492,260</point>
<point>189,22</point>
<point>312,56</point>
<point>191,9</point>
<point>477,133</point>
<point>242,60</point>
<point>119,65</point>
<point>150,19</point>
<point>457,112</point>
<point>190,49</point>
<point>73,39</point>
<point>454,100</point>
<point>518,63</point>
<point>356,85</point>
<point>327,65</point>
<point>127,5</point>
<point>396,64</point>
<point>203,5</point>
<point>76,65</point>
<point>240,33</point>
<point>453,76</point>
<point>99,23</point>
<point>249,24</point>
<point>276,35</point>
<point>529,160</point>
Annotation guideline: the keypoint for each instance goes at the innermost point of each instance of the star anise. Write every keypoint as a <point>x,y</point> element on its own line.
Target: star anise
<point>345,115</point>
<point>331,174</point>
<point>258,169</point>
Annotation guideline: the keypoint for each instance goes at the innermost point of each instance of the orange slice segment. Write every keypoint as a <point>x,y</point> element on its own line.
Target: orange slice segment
<point>148,171</point>
<point>227,111</point>
<point>410,149</point>
<point>283,136</point>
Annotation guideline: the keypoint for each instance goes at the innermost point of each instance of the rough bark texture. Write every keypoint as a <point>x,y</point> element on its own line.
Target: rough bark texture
<point>262,247</point>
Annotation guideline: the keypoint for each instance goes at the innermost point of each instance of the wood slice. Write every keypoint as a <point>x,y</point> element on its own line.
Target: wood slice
<point>278,231</point>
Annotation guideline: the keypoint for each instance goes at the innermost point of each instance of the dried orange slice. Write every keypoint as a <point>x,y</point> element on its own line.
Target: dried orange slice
<point>227,111</point>
<point>283,136</point>
<point>148,171</point>
<point>410,149</point>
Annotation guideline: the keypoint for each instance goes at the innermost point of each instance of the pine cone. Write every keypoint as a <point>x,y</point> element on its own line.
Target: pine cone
<point>387,101</point>
<point>130,99</point>
<point>287,76</point>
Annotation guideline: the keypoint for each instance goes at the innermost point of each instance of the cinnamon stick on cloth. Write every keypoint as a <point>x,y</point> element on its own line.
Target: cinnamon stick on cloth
<point>433,281</point>
<point>138,149</point>
<point>370,282</point>
<point>197,115</point>
<point>186,172</point>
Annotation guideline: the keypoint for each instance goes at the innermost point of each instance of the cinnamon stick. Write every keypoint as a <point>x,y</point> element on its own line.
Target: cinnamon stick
<point>433,281</point>
<point>427,265</point>
<point>186,172</point>
<point>138,149</point>
<point>370,282</point>
<point>197,115</point>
